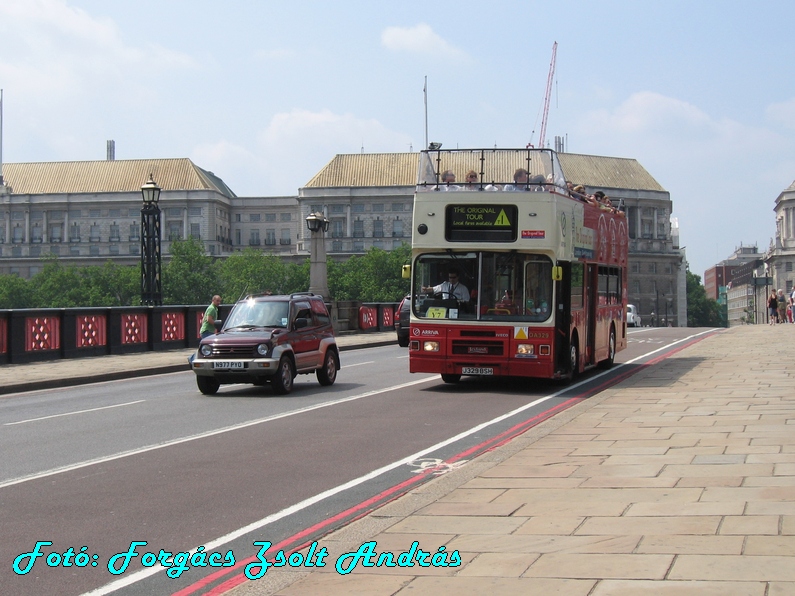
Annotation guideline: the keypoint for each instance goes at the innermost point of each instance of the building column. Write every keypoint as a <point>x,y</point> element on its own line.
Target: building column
<point>27,227</point>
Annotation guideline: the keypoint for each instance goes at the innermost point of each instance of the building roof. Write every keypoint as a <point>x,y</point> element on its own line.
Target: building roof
<point>124,175</point>
<point>400,169</point>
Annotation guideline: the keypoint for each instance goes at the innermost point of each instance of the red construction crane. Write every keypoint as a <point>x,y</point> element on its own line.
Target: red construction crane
<point>542,139</point>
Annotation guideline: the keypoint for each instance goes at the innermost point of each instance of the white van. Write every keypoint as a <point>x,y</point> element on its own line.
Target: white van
<point>633,318</point>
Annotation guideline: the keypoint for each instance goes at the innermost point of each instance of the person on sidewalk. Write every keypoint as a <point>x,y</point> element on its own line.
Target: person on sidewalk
<point>210,315</point>
<point>781,301</point>
<point>772,307</point>
<point>208,323</point>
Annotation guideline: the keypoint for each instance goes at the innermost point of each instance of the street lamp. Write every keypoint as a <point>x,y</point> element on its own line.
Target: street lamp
<point>318,273</point>
<point>151,282</point>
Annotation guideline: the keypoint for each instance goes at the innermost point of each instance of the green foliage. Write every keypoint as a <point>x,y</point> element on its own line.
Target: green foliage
<point>189,277</point>
<point>15,292</point>
<point>252,272</point>
<point>701,310</point>
<point>192,277</point>
<point>372,277</point>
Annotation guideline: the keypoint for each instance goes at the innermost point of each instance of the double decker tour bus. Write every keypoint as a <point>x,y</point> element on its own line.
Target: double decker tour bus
<point>512,274</point>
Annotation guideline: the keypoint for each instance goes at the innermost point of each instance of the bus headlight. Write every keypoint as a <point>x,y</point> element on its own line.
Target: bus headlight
<point>430,346</point>
<point>525,349</point>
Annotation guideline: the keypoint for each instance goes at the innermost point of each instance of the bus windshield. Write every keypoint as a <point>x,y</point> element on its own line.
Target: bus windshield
<point>484,286</point>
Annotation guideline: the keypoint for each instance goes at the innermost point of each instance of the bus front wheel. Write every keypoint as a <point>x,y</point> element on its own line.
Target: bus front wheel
<point>611,350</point>
<point>574,358</point>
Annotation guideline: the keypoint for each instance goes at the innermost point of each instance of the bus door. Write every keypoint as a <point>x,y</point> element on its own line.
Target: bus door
<point>592,284</point>
<point>563,319</point>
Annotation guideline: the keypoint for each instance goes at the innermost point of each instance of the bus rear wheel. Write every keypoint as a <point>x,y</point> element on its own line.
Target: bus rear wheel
<point>448,378</point>
<point>611,351</point>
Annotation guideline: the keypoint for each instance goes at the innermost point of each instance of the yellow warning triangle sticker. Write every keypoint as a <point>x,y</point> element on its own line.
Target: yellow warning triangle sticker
<point>520,332</point>
<point>502,219</point>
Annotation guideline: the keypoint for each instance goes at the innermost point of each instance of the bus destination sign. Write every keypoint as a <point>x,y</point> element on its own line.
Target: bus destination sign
<point>485,223</point>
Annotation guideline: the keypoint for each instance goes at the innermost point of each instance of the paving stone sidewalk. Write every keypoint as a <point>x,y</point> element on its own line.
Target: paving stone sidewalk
<point>678,481</point>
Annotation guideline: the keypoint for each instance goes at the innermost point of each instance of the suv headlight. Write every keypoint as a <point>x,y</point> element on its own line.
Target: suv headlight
<point>262,349</point>
<point>206,350</point>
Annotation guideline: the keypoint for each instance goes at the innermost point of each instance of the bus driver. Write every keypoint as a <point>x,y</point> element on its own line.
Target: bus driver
<point>452,288</point>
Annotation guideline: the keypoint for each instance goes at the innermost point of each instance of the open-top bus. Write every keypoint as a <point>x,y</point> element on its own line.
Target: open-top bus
<point>512,274</point>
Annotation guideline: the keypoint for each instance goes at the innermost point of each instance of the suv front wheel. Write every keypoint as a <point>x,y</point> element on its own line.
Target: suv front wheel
<point>207,385</point>
<point>327,374</point>
<point>282,381</point>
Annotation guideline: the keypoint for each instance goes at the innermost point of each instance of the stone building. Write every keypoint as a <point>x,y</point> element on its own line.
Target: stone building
<point>780,256</point>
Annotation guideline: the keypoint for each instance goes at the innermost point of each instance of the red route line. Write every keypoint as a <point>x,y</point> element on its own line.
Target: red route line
<point>485,446</point>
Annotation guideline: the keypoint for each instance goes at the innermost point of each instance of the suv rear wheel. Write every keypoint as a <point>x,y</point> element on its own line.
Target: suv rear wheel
<point>327,374</point>
<point>282,381</point>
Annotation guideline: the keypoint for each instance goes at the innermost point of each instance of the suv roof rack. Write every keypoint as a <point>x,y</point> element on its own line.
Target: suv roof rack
<point>294,294</point>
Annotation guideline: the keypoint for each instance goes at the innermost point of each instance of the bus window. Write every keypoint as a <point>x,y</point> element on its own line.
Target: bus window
<point>577,273</point>
<point>538,288</point>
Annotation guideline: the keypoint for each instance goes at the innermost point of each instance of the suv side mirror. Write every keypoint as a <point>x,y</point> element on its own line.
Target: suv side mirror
<point>218,325</point>
<point>300,323</point>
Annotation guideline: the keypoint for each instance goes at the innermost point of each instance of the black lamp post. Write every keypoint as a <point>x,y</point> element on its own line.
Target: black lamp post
<point>318,273</point>
<point>151,284</point>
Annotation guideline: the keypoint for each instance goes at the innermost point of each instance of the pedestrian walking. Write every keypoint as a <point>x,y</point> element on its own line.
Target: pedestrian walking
<point>772,307</point>
<point>210,315</point>
<point>781,303</point>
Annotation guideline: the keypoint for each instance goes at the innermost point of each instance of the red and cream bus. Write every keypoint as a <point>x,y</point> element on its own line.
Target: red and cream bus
<point>512,273</point>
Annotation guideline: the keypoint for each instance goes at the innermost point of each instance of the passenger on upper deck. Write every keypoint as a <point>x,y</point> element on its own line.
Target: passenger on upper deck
<point>603,200</point>
<point>519,181</point>
<point>448,181</point>
<point>472,183</point>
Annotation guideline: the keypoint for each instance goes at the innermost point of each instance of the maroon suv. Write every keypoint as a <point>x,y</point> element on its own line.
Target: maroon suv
<point>270,338</point>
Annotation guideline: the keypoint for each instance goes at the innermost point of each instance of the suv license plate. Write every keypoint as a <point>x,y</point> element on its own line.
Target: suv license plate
<point>229,364</point>
<point>468,370</point>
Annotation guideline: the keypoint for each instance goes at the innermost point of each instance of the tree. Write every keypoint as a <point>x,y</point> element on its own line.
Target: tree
<point>189,277</point>
<point>701,310</point>
<point>15,292</point>
<point>252,272</point>
<point>372,277</point>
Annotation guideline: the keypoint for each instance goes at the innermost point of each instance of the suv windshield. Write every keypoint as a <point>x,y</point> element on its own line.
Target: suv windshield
<point>253,313</point>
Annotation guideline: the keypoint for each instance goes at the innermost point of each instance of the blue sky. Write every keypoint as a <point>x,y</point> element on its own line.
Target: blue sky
<point>265,93</point>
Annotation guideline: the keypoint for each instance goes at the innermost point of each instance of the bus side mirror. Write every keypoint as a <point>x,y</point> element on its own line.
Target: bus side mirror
<point>557,273</point>
<point>406,272</point>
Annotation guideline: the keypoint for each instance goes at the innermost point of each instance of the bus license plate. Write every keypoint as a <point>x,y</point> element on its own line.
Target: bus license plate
<point>469,370</point>
<point>229,364</point>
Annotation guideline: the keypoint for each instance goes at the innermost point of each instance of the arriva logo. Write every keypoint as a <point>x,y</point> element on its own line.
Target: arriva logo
<point>426,332</point>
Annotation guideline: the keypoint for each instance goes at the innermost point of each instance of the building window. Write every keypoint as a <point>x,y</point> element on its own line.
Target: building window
<point>35,251</point>
<point>316,209</point>
<point>270,237</point>
<point>378,243</point>
<point>378,207</point>
<point>55,233</point>
<point>358,246</point>
<point>195,211</point>
<point>636,267</point>
<point>338,209</point>
<point>285,216</point>
<point>135,232</point>
<point>336,246</point>
<point>636,287</point>
<point>93,233</point>
<point>286,236</point>
<point>254,217</point>
<point>18,235</point>
<point>74,233</point>
<point>337,228</point>
<point>397,229</point>
<point>647,230</point>
<point>195,231</point>
<point>135,249</point>
<point>358,229</point>
<point>113,249</point>
<point>174,231</point>
<point>95,213</point>
<point>55,250</point>
<point>357,208</point>
<point>93,251</point>
<point>35,234</point>
<point>397,206</point>
<point>254,238</point>
<point>652,267</point>
<point>114,213</point>
<point>788,266</point>
<point>115,235</point>
<point>378,228</point>
<point>270,217</point>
